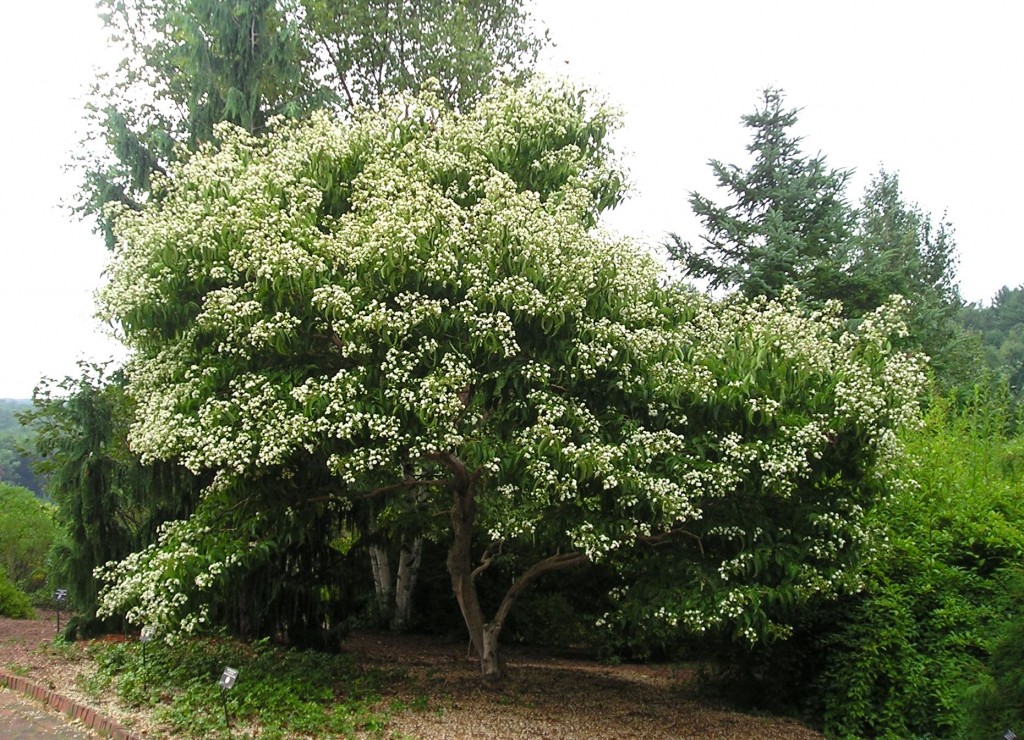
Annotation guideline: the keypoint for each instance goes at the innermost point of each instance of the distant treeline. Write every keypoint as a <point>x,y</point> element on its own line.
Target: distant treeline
<point>16,455</point>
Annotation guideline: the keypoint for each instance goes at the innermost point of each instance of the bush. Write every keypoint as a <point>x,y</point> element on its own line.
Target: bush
<point>26,531</point>
<point>995,703</point>
<point>904,655</point>
<point>13,602</point>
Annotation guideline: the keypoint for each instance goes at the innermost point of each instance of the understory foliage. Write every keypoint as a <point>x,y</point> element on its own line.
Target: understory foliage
<point>904,653</point>
<point>14,603</point>
<point>416,306</point>
<point>279,694</point>
<point>995,701</point>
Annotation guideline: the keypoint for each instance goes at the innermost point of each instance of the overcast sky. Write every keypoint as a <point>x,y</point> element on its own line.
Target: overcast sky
<point>932,90</point>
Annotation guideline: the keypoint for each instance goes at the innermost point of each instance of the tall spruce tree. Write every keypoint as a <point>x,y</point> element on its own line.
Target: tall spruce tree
<point>787,222</point>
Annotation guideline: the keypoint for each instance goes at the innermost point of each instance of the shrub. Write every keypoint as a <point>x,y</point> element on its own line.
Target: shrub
<point>903,656</point>
<point>26,531</point>
<point>13,602</point>
<point>995,702</point>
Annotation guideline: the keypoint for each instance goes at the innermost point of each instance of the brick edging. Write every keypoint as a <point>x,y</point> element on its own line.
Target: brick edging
<point>75,711</point>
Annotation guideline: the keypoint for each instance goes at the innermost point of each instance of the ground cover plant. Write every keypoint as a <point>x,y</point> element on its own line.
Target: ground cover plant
<point>279,693</point>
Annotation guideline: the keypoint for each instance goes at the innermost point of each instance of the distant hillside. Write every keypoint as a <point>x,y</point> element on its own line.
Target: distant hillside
<point>15,465</point>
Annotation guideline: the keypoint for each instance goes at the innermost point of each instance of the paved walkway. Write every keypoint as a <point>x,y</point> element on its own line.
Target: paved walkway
<point>22,718</point>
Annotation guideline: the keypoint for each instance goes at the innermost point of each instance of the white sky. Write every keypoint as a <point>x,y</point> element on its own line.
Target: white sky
<point>932,90</point>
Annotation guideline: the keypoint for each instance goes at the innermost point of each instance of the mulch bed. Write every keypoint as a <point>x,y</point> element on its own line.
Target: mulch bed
<point>544,695</point>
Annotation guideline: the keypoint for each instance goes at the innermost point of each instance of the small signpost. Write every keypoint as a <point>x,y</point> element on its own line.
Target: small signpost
<point>148,632</point>
<point>60,597</point>
<point>227,681</point>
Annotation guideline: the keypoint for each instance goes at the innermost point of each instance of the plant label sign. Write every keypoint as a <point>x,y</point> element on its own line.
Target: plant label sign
<point>228,678</point>
<point>147,633</point>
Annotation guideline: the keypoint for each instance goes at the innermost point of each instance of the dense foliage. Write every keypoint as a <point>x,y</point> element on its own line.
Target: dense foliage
<point>26,533</point>
<point>416,302</point>
<point>905,652</point>
<point>16,457</point>
<point>14,603</point>
<point>1001,328</point>
<point>995,701</point>
<point>392,327</point>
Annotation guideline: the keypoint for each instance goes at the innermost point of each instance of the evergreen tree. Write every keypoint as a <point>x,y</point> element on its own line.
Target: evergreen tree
<point>1000,327</point>
<point>788,221</point>
<point>897,249</point>
<point>108,502</point>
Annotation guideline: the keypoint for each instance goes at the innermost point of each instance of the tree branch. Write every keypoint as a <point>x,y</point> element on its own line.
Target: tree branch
<point>664,537</point>
<point>485,561</point>
<point>555,562</point>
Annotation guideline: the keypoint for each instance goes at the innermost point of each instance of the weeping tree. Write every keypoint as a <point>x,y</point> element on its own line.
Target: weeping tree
<point>108,502</point>
<point>416,302</point>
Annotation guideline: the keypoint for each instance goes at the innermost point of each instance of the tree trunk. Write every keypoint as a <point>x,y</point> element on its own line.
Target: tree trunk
<point>383,586</point>
<point>408,570</point>
<point>490,664</point>
<point>483,635</point>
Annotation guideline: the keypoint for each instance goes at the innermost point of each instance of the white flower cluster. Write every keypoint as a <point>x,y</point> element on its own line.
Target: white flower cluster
<point>162,584</point>
<point>380,292</point>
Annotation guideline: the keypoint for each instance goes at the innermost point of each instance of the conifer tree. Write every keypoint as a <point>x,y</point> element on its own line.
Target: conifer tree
<point>787,222</point>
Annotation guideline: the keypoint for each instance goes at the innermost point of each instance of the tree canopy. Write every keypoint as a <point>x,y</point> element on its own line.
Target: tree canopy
<point>416,301</point>
<point>189,64</point>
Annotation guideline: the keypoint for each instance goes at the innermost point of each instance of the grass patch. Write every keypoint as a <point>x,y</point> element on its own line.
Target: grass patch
<point>279,693</point>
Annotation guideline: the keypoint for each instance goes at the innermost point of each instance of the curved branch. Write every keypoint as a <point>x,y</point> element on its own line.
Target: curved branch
<point>665,537</point>
<point>555,562</point>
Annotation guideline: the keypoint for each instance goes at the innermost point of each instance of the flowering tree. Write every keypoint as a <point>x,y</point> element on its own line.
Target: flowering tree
<point>418,304</point>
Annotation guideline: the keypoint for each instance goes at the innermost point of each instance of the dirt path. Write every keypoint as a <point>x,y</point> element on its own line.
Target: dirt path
<point>544,696</point>
<point>548,696</point>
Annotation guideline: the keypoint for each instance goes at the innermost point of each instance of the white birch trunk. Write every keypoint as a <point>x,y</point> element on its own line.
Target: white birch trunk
<point>408,570</point>
<point>383,586</point>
